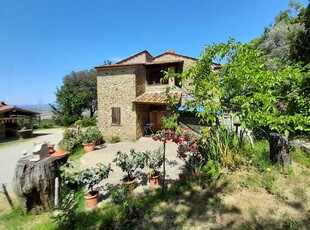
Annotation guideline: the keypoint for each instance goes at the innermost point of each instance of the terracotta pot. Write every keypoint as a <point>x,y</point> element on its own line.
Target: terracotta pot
<point>91,199</point>
<point>154,181</point>
<point>88,147</point>
<point>59,152</point>
<point>132,184</point>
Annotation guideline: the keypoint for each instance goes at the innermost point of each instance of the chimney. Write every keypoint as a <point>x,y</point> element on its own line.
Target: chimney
<point>171,51</point>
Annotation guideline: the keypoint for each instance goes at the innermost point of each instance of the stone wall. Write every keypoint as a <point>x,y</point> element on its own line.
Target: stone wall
<point>168,57</point>
<point>117,88</point>
<point>140,58</point>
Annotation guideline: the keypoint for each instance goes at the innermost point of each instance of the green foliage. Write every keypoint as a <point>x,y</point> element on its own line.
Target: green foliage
<point>170,122</point>
<point>47,125</point>
<point>262,97</point>
<point>16,218</point>
<point>71,139</point>
<point>218,144</point>
<point>301,157</point>
<point>114,139</point>
<point>301,44</point>
<point>129,163</point>
<point>154,160</point>
<point>91,135</point>
<point>208,173</point>
<point>76,154</point>
<point>78,93</point>
<point>284,41</point>
<point>87,178</point>
<point>67,211</point>
<point>90,177</point>
<point>88,121</point>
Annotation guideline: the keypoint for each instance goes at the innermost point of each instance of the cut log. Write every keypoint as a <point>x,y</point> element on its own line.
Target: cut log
<point>34,182</point>
<point>279,149</point>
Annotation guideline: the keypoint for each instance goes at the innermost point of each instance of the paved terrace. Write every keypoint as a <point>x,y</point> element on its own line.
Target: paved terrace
<point>106,155</point>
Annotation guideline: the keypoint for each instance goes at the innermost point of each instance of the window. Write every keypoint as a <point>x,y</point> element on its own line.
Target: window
<point>154,73</point>
<point>116,115</point>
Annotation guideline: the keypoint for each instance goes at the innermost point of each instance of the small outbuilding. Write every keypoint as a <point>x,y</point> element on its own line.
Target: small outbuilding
<point>10,117</point>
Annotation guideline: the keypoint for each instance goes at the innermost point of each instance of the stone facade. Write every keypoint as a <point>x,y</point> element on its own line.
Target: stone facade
<point>118,86</point>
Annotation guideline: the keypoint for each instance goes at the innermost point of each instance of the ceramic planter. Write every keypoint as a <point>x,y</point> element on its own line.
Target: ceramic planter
<point>132,184</point>
<point>154,180</point>
<point>91,199</point>
<point>59,152</point>
<point>88,147</point>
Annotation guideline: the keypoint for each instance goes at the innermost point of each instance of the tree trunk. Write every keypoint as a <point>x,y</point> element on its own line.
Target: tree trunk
<point>34,182</point>
<point>279,149</point>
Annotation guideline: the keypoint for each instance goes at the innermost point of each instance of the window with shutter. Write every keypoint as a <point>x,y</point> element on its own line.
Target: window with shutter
<point>116,115</point>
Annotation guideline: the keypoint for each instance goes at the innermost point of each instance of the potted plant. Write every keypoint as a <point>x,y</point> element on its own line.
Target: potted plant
<point>129,163</point>
<point>97,135</point>
<point>154,161</point>
<point>91,177</point>
<point>88,140</point>
<point>65,146</point>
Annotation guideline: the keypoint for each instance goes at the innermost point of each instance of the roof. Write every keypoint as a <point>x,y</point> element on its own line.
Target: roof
<point>156,97</point>
<point>8,108</point>
<point>150,60</point>
<point>135,55</point>
<point>179,55</point>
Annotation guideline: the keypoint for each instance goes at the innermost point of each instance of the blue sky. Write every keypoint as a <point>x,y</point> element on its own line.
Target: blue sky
<point>42,41</point>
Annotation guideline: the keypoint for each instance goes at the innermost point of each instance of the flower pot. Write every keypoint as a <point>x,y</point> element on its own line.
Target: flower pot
<point>154,180</point>
<point>131,183</point>
<point>59,152</point>
<point>91,199</point>
<point>88,147</point>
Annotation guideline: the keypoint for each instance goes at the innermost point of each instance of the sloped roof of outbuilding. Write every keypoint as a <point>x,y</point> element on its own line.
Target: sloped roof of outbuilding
<point>4,108</point>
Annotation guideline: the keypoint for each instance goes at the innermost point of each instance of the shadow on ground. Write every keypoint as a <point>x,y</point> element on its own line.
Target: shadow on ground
<point>17,138</point>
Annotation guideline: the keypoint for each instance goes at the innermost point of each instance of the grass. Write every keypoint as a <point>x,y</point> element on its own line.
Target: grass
<point>259,195</point>
<point>300,157</point>
<point>77,153</point>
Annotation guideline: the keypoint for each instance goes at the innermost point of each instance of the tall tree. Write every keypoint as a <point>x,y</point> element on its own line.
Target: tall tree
<point>77,94</point>
<point>279,38</point>
<point>273,98</point>
<point>301,46</point>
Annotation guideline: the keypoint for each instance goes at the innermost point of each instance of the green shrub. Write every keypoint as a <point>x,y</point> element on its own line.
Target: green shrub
<point>88,121</point>
<point>114,139</point>
<point>46,125</point>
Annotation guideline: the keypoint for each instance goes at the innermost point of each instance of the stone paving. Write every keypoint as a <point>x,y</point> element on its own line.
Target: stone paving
<point>106,155</point>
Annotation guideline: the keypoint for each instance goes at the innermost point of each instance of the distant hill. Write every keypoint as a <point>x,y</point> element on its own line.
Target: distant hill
<point>44,109</point>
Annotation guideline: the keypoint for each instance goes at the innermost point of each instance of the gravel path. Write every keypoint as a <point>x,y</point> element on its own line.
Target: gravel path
<point>11,152</point>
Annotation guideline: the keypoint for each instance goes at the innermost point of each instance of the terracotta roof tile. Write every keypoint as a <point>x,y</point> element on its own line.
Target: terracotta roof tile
<point>156,97</point>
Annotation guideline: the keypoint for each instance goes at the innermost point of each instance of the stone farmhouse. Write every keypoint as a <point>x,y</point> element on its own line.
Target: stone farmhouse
<point>131,98</point>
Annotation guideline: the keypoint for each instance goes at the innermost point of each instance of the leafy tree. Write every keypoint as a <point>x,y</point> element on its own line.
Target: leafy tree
<point>280,38</point>
<point>77,94</point>
<point>301,45</point>
<point>272,98</point>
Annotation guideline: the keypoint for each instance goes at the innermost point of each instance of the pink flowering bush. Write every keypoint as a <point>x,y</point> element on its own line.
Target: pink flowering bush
<point>187,146</point>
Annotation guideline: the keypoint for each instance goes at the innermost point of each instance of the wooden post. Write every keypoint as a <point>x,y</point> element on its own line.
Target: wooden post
<point>279,149</point>
<point>164,173</point>
<point>7,196</point>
